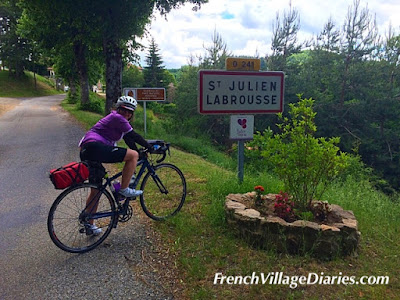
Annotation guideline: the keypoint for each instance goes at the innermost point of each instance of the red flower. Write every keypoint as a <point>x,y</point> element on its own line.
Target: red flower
<point>259,188</point>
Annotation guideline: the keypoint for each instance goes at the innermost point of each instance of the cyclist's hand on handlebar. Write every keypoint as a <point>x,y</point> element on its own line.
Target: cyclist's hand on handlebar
<point>143,152</point>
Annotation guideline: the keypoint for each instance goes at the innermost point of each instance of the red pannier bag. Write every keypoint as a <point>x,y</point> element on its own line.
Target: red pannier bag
<point>69,174</point>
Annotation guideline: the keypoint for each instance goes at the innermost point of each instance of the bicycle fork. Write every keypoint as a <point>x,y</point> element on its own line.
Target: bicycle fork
<point>159,184</point>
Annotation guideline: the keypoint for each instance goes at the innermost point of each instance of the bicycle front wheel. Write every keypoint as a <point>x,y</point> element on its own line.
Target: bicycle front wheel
<point>164,192</point>
<point>71,219</point>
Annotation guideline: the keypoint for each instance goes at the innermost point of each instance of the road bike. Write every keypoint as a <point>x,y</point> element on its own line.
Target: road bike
<point>70,217</point>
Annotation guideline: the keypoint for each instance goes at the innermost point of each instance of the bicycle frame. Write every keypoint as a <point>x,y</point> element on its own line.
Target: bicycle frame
<point>145,166</point>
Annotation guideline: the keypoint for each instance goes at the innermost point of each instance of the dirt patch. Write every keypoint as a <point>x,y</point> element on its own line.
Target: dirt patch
<point>7,104</point>
<point>162,261</point>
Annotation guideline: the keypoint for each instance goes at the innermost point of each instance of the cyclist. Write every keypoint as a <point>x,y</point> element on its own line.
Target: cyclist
<point>99,145</point>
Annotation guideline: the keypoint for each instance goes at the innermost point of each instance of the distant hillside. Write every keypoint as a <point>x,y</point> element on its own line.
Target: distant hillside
<point>25,87</point>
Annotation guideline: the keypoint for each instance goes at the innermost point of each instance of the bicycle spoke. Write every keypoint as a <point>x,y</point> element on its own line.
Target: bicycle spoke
<point>164,192</point>
<point>69,228</point>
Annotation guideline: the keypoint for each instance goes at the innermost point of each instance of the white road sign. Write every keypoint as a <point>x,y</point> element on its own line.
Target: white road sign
<point>230,92</point>
<point>242,127</point>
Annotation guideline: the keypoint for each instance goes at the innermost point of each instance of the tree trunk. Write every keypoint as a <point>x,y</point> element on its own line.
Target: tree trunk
<point>80,57</point>
<point>113,54</point>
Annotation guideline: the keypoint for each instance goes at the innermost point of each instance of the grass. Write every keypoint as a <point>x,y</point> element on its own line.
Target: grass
<point>211,247</point>
<point>201,244</point>
<point>25,86</point>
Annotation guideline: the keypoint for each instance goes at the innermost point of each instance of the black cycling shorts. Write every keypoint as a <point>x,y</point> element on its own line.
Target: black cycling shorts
<point>96,153</point>
<point>99,152</point>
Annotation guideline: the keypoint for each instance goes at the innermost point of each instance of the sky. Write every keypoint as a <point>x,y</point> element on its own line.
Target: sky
<point>246,26</point>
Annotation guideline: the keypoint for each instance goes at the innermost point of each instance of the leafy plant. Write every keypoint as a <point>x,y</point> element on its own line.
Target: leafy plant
<point>306,216</point>
<point>320,210</point>
<point>284,207</point>
<point>306,164</point>
<point>95,104</point>
<point>259,190</point>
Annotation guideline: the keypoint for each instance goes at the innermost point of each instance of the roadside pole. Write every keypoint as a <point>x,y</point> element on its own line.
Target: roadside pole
<point>145,119</point>
<point>241,130</point>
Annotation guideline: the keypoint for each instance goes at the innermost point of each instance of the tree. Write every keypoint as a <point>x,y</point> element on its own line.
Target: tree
<point>216,54</point>
<point>132,77</point>
<point>54,24</point>
<point>284,39</point>
<point>120,21</point>
<point>154,71</point>
<point>359,43</point>
<point>14,50</point>
<point>214,127</point>
<point>329,38</point>
<point>89,26</point>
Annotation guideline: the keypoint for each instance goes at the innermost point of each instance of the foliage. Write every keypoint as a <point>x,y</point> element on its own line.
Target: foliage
<point>320,210</point>
<point>216,54</point>
<point>88,29</point>
<point>304,163</point>
<point>14,50</point>
<point>95,104</point>
<point>284,40</point>
<point>154,71</point>
<point>198,252</point>
<point>259,190</point>
<point>132,77</point>
<point>216,128</point>
<point>351,70</point>
<point>284,207</point>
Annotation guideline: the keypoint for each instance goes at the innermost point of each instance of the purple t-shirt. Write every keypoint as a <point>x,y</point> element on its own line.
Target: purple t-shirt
<point>109,130</point>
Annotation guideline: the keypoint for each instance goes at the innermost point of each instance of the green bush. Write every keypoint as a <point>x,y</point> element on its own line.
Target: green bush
<point>72,98</point>
<point>95,104</point>
<point>305,164</point>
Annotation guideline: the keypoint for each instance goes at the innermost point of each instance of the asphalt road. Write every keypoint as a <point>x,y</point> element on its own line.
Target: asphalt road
<point>36,136</point>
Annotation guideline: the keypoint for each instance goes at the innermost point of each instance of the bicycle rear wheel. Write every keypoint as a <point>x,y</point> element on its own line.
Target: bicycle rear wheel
<point>164,192</point>
<point>70,218</point>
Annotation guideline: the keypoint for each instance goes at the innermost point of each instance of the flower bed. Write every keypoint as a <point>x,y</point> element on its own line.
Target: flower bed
<point>337,236</point>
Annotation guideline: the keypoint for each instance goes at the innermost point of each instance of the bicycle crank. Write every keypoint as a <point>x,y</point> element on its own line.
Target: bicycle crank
<point>127,216</point>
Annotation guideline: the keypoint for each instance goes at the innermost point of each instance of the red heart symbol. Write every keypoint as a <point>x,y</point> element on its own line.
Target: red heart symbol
<point>242,122</point>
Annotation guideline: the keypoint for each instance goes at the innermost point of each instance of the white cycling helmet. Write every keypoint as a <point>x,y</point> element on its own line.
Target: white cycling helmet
<point>127,102</point>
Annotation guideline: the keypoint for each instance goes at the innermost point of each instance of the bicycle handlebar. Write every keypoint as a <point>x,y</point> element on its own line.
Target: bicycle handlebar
<point>158,147</point>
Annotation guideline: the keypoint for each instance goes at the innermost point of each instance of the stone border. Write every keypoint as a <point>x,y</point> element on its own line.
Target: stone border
<point>300,237</point>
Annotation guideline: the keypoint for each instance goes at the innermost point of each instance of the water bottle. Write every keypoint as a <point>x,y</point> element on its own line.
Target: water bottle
<point>116,186</point>
<point>156,147</point>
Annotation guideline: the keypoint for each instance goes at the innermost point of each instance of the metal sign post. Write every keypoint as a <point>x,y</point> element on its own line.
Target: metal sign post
<point>241,129</point>
<point>145,119</point>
